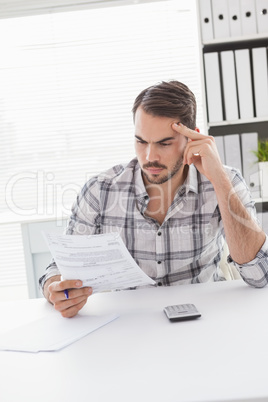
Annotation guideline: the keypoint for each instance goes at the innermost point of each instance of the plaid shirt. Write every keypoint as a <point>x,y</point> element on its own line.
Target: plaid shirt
<point>186,248</point>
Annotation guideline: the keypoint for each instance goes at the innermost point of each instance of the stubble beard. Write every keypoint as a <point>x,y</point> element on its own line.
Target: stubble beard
<point>155,180</point>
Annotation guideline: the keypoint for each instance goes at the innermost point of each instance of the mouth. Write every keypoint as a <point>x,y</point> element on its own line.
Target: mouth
<point>153,170</point>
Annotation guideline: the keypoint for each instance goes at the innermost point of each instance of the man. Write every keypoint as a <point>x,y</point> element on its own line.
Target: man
<point>174,205</point>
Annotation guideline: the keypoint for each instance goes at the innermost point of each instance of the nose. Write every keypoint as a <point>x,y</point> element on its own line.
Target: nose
<point>151,154</point>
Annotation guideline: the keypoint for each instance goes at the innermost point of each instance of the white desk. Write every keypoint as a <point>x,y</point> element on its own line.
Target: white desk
<point>141,356</point>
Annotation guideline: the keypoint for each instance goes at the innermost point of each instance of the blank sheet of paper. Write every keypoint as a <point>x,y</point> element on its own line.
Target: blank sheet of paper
<point>51,333</point>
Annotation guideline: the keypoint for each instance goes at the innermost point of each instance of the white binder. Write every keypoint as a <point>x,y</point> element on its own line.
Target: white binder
<point>220,19</point>
<point>244,83</point>
<point>220,146</point>
<point>260,79</point>
<point>206,21</point>
<point>262,15</point>
<point>213,87</point>
<point>232,151</point>
<point>229,85</point>
<point>248,17</point>
<point>234,17</point>
<point>249,142</point>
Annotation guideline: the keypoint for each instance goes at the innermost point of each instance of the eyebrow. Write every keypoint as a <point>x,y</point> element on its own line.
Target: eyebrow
<point>157,142</point>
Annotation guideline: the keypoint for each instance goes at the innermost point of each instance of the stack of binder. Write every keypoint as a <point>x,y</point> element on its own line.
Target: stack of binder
<point>260,79</point>
<point>232,18</point>
<point>236,150</point>
<point>236,84</point>
<point>213,87</point>
<point>244,85</point>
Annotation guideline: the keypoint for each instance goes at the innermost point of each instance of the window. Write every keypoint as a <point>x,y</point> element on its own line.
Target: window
<point>68,81</point>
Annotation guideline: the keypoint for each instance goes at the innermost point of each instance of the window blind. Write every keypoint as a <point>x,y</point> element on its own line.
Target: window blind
<point>68,81</point>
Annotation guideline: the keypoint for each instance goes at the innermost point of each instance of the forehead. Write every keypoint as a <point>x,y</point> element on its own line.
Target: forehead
<point>156,127</point>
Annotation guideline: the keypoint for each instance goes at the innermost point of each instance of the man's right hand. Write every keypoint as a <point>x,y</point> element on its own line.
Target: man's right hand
<point>77,296</point>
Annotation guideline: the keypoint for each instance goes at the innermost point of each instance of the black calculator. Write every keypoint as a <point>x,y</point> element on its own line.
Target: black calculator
<point>181,312</point>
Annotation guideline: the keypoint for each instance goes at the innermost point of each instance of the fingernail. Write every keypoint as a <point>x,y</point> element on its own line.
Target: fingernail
<point>78,283</point>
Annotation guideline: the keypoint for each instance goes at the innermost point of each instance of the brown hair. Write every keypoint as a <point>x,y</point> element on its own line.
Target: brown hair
<point>168,99</point>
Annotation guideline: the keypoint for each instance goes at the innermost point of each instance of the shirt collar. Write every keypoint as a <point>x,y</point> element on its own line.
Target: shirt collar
<point>191,181</point>
<point>190,184</point>
<point>140,189</point>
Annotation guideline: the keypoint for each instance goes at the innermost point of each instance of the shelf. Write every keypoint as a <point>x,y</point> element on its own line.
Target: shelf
<point>260,200</point>
<point>236,122</point>
<point>235,44</point>
<point>220,61</point>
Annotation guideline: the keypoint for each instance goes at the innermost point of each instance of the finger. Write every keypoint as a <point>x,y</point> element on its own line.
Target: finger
<point>187,132</point>
<point>61,295</point>
<point>199,149</point>
<point>196,148</point>
<point>72,311</point>
<point>205,140</point>
<point>61,286</point>
<point>74,293</point>
<point>62,305</point>
<point>67,284</point>
<point>191,153</point>
<point>193,159</point>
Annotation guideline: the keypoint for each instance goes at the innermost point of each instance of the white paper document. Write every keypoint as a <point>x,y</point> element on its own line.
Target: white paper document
<point>51,333</point>
<point>99,261</point>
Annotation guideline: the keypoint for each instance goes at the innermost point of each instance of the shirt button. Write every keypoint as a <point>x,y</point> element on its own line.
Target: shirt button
<point>159,262</point>
<point>159,284</point>
<point>159,233</point>
<point>146,197</point>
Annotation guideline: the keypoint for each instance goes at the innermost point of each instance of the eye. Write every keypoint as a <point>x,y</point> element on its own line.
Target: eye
<point>164,144</point>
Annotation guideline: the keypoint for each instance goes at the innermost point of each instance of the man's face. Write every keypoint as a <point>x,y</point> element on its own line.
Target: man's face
<point>158,147</point>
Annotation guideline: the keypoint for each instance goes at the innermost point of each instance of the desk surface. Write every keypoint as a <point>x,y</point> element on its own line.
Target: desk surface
<point>141,356</point>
